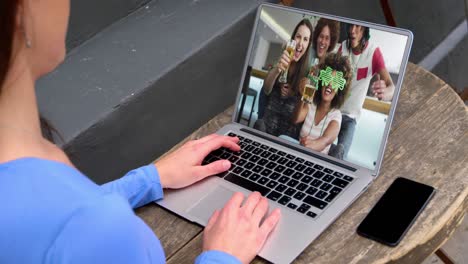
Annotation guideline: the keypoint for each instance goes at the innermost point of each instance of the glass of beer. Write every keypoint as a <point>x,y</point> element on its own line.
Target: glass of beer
<point>310,88</point>
<point>308,94</point>
<point>290,48</point>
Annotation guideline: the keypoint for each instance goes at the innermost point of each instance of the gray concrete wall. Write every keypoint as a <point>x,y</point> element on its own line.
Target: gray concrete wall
<point>88,17</point>
<point>454,67</point>
<point>156,119</point>
<point>138,87</point>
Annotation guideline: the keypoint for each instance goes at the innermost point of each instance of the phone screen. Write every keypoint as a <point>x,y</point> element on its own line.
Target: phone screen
<point>396,210</point>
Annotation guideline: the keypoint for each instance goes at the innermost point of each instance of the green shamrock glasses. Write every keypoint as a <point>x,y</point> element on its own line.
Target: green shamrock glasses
<point>337,81</point>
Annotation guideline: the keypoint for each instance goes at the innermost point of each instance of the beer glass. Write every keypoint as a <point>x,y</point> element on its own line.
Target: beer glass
<point>308,94</point>
<point>309,89</point>
<point>290,48</point>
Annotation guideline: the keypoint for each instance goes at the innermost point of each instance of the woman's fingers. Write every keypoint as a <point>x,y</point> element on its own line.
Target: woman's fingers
<point>234,231</point>
<point>206,138</point>
<point>213,168</point>
<point>234,203</point>
<point>251,203</point>
<point>213,219</point>
<point>270,222</point>
<point>378,88</point>
<point>305,140</point>
<point>217,142</point>
<point>285,89</point>
<point>302,140</point>
<point>284,61</point>
<point>260,210</point>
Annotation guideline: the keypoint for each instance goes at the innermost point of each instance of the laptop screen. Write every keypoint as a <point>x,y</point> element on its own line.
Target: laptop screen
<point>323,83</point>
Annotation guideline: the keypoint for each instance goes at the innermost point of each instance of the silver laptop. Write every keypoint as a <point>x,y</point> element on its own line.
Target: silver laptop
<point>311,187</point>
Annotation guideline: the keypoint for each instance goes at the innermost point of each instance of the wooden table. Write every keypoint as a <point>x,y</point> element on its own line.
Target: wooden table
<point>428,143</point>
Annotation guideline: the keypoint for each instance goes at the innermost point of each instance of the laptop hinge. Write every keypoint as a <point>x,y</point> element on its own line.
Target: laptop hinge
<point>344,166</point>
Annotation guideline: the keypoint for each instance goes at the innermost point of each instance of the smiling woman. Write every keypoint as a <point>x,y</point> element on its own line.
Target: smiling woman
<point>322,118</point>
<point>282,98</point>
<point>325,37</point>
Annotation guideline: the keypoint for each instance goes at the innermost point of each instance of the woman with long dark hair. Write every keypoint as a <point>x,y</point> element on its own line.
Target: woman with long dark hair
<point>281,98</point>
<point>51,212</point>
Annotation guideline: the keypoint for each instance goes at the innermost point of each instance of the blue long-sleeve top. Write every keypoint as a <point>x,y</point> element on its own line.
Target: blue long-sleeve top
<point>52,213</point>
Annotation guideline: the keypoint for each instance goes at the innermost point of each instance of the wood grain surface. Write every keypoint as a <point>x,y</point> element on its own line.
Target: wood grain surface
<point>428,143</point>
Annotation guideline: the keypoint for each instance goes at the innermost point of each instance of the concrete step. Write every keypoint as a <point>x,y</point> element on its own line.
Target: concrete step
<point>88,17</point>
<point>138,87</point>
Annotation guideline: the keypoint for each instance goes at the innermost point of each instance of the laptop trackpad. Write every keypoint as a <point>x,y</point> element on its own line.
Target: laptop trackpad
<point>215,199</point>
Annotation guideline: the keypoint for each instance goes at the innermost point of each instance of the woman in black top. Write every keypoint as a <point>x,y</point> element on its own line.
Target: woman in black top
<point>281,99</point>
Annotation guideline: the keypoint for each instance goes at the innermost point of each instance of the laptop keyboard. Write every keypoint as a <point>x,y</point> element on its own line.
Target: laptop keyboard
<point>283,178</point>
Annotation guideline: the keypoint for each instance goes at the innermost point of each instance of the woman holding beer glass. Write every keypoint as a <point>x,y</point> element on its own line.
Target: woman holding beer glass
<point>322,117</point>
<point>324,40</point>
<point>282,85</point>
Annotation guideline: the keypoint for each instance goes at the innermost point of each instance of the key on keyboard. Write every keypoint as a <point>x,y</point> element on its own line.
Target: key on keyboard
<point>249,185</point>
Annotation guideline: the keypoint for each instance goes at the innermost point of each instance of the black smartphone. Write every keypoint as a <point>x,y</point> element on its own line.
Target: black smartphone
<point>395,212</point>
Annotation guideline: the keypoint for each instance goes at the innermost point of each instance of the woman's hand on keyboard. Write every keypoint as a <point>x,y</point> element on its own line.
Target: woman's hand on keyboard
<point>238,229</point>
<point>183,167</point>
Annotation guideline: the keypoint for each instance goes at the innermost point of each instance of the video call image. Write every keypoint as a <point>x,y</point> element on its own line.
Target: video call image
<point>321,83</point>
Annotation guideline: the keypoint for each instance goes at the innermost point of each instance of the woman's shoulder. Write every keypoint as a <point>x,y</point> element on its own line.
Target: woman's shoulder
<point>33,167</point>
<point>36,179</point>
<point>17,148</point>
<point>30,161</point>
<point>335,111</point>
<point>335,114</point>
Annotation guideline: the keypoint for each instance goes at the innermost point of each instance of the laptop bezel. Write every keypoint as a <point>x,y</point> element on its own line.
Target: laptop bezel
<point>373,172</point>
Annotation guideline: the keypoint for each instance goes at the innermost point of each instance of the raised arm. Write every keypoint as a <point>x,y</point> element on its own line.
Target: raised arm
<point>275,72</point>
<point>300,112</point>
<point>383,87</point>
<point>270,80</point>
<point>302,108</point>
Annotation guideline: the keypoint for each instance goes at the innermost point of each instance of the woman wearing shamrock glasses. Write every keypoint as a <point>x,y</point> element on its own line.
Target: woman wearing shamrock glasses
<point>322,118</point>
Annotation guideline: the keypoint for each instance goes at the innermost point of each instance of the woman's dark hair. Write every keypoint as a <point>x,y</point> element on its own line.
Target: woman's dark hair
<point>364,39</point>
<point>337,63</point>
<point>334,27</point>
<point>49,132</point>
<point>302,66</point>
<point>8,10</point>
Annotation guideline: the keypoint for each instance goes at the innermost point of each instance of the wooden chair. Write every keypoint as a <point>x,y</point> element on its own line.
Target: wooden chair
<point>286,2</point>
